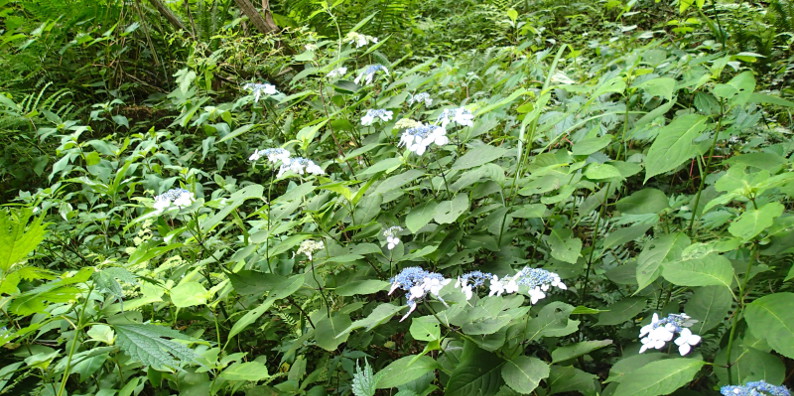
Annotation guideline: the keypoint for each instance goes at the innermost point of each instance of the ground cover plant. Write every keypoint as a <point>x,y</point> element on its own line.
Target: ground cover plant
<point>391,198</point>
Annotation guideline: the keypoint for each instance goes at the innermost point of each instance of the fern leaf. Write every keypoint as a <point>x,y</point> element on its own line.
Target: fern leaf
<point>17,237</point>
<point>149,345</point>
<point>364,381</point>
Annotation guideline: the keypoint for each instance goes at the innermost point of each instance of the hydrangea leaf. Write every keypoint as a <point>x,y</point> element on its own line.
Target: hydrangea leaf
<point>564,246</point>
<point>772,319</point>
<point>404,370</point>
<point>662,249</point>
<point>479,155</point>
<point>673,146</point>
<point>569,352</point>
<point>661,377</point>
<point>713,269</point>
<point>188,294</point>
<point>754,221</point>
<point>477,373</point>
<point>523,374</point>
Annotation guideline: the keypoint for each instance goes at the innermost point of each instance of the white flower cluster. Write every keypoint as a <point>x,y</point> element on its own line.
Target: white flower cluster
<point>178,197</point>
<point>535,281</point>
<point>375,114</point>
<point>418,283</point>
<point>392,240</point>
<point>418,138</point>
<point>297,165</point>
<point>369,73</point>
<point>338,72</point>
<point>308,247</point>
<point>259,89</point>
<point>419,98</point>
<point>460,116</point>
<point>660,331</point>
<point>360,39</point>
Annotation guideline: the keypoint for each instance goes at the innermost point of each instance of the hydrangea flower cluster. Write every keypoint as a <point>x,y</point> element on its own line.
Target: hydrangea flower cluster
<point>418,283</point>
<point>419,98</point>
<point>392,240</point>
<point>656,334</point>
<point>375,114</point>
<point>360,39</point>
<point>755,388</point>
<point>274,155</point>
<point>178,197</point>
<point>298,165</point>
<point>259,89</point>
<point>308,247</point>
<point>460,116</point>
<point>338,72</point>
<point>537,282</point>
<point>369,73</point>
<point>417,139</point>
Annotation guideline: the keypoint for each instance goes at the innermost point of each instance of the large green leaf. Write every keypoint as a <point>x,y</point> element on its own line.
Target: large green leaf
<point>380,314</point>
<point>564,379</point>
<point>754,221</point>
<point>188,294</point>
<point>661,249</point>
<point>477,373</point>
<point>404,370</point>
<point>569,352</point>
<point>425,328</point>
<point>564,246</point>
<point>329,332</point>
<point>771,318</point>
<point>448,211</point>
<point>149,344</point>
<point>248,371</point>
<point>552,321</point>
<point>523,374</point>
<point>712,269</point>
<point>710,306</point>
<point>18,236</point>
<point>750,361</point>
<point>621,311</point>
<point>674,145</point>
<point>659,378</point>
<point>479,155</point>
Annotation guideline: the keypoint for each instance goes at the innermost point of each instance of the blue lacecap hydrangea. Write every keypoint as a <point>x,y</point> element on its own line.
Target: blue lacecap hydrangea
<point>755,388</point>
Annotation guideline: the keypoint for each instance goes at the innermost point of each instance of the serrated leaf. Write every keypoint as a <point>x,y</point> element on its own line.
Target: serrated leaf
<point>709,306</point>
<point>771,318</point>
<point>523,374</point>
<point>404,370</point>
<point>673,146</point>
<point>18,236</point>
<point>364,381</point>
<point>713,269</point>
<point>662,249</point>
<point>754,221</point>
<point>150,345</point>
<point>660,377</point>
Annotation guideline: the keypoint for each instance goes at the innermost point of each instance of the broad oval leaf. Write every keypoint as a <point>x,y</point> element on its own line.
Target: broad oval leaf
<point>771,318</point>
<point>673,146</point>
<point>659,378</point>
<point>523,374</point>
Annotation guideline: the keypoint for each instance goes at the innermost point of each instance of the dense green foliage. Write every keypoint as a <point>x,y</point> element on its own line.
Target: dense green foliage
<point>640,151</point>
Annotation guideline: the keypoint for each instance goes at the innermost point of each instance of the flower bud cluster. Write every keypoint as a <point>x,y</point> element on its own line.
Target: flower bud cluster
<point>178,197</point>
<point>755,388</point>
<point>660,331</point>
<point>374,114</point>
<point>392,240</point>
<point>259,89</point>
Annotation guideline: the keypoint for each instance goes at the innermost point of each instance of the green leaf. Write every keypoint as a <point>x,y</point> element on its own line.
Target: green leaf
<point>188,294</point>
<point>647,200</point>
<point>448,211</point>
<point>659,378</point>
<point>258,283</point>
<point>523,374</point>
<point>425,328</point>
<point>380,314</point>
<point>329,332</point>
<point>149,345</point>
<point>738,90</point>
<point>385,165</point>
<point>754,221</point>
<point>710,306</point>
<point>749,363</point>
<point>569,352</point>
<point>674,145</point>
<point>660,86</point>
<point>589,146</point>
<point>364,380</point>
<point>397,181</point>
<point>237,132</point>
<point>368,286</point>
<point>771,318</point>
<point>477,373</point>
<point>564,246</point>
<point>250,317</point>
<point>596,171</point>
<point>713,269</point>
<point>419,216</point>
<point>564,379</point>
<point>479,155</point>
<point>662,249</point>
<point>18,236</point>
<point>248,371</point>
<point>552,321</point>
<point>404,370</point>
